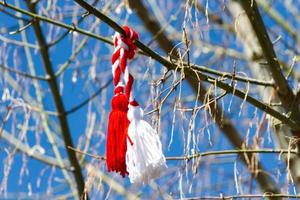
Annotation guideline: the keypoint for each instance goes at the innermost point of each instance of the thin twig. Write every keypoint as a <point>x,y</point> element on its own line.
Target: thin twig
<point>85,153</point>
<point>230,75</point>
<point>80,105</point>
<point>284,91</point>
<point>251,196</point>
<point>174,86</point>
<point>81,18</point>
<point>10,69</point>
<point>191,72</point>
<point>55,22</point>
<point>21,28</point>
<point>24,148</point>
<point>16,42</point>
<point>203,106</point>
<point>226,152</point>
<point>204,154</point>
<point>170,65</point>
<point>65,130</point>
<point>278,18</point>
<point>13,15</point>
<point>144,48</point>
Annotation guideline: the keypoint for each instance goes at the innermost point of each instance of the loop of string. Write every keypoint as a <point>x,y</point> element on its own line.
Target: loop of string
<point>124,49</point>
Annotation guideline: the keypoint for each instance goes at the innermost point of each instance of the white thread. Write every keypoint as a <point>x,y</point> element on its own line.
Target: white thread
<point>120,84</point>
<point>144,156</point>
<point>122,45</point>
<point>126,74</point>
<point>115,66</point>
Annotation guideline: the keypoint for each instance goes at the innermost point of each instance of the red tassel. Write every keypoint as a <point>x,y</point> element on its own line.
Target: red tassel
<point>117,133</point>
<point>116,143</point>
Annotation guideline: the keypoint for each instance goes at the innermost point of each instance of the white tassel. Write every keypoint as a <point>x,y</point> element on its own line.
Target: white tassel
<point>144,156</point>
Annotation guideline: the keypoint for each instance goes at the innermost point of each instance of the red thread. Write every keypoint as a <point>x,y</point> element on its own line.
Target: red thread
<point>117,133</point>
<point>124,49</point>
<point>116,143</point>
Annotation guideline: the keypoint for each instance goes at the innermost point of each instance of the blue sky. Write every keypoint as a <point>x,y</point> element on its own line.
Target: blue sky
<point>211,174</point>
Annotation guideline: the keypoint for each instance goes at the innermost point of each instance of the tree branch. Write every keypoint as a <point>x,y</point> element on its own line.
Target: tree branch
<point>284,92</point>
<point>58,102</point>
<point>205,154</point>
<point>80,105</point>
<point>249,196</point>
<point>151,53</point>
<point>24,148</point>
<point>52,21</point>
<point>226,152</point>
<point>266,183</point>
<point>189,71</point>
<point>10,69</point>
<point>278,18</point>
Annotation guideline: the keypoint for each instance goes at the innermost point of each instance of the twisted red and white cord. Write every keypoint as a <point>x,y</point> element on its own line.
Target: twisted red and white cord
<point>116,142</point>
<point>124,49</point>
<point>144,157</point>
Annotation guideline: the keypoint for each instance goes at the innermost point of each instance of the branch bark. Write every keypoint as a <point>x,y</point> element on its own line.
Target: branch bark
<point>58,102</point>
<point>188,71</point>
<point>24,148</point>
<point>224,123</point>
<point>254,30</point>
<point>284,92</point>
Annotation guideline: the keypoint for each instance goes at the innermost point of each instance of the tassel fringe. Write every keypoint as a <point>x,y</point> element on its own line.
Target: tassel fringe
<point>144,157</point>
<point>117,134</point>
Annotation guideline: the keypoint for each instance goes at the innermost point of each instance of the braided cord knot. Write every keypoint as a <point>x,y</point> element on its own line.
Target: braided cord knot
<point>125,49</point>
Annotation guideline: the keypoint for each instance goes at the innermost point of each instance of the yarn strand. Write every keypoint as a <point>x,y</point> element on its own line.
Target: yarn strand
<point>133,146</point>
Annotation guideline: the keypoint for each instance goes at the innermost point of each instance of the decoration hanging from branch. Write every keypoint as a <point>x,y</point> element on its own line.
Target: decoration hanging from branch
<point>144,156</point>
<point>133,147</point>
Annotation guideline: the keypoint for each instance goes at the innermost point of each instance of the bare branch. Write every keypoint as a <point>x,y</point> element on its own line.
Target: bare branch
<point>284,92</point>
<point>10,69</point>
<point>208,153</point>
<point>24,148</point>
<point>83,103</point>
<point>58,103</point>
<point>249,196</point>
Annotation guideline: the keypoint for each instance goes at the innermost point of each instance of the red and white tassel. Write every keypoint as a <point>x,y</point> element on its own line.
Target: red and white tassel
<point>144,157</point>
<point>118,123</point>
<point>133,146</point>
